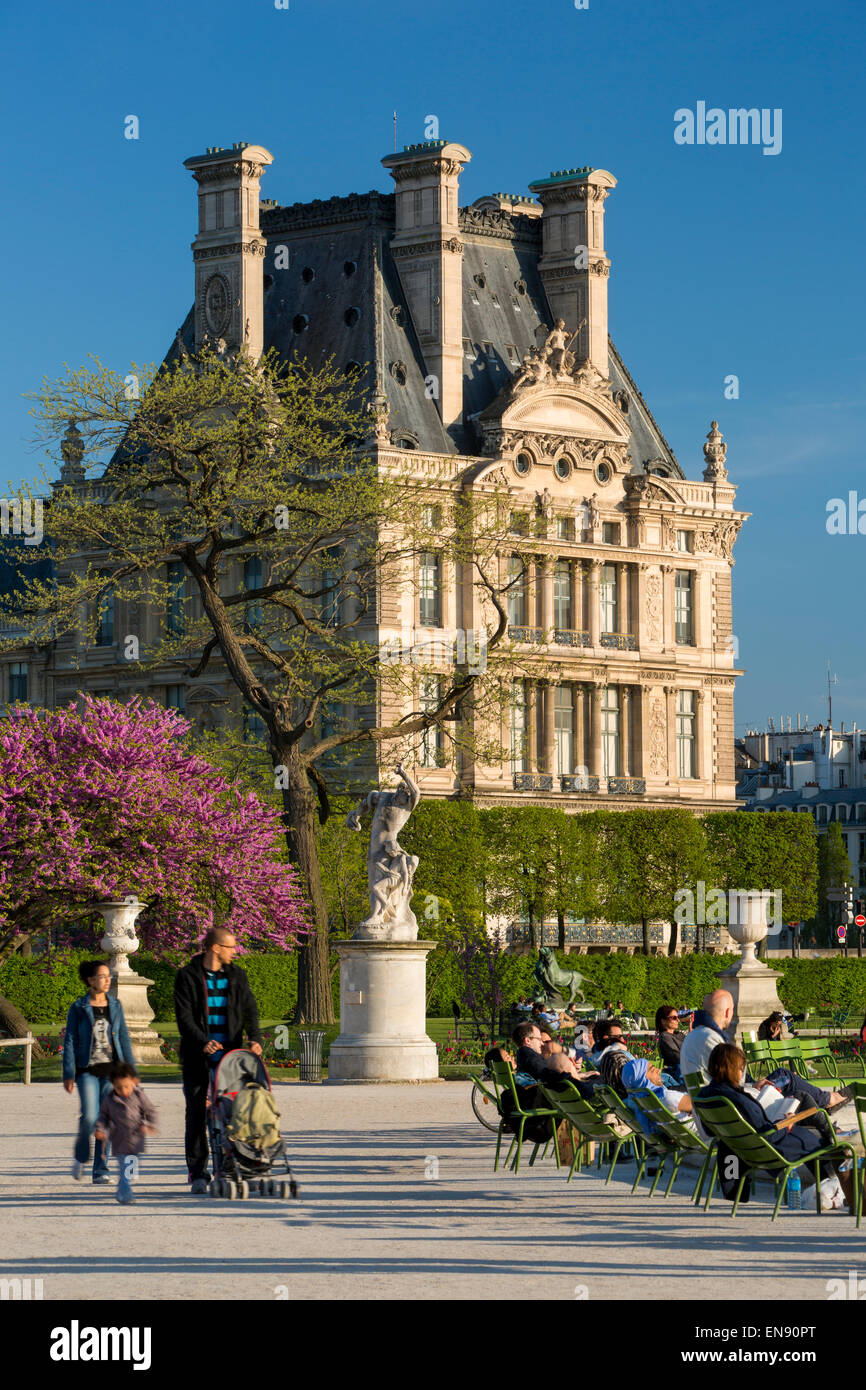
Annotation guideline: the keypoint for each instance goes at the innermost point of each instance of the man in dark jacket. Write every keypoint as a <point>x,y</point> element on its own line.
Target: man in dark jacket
<point>214,1006</point>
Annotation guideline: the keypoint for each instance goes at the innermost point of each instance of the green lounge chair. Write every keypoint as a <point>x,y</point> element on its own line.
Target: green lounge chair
<point>721,1118</point>
<point>682,1138</point>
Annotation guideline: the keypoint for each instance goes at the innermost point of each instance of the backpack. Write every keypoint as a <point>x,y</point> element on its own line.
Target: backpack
<point>254,1117</point>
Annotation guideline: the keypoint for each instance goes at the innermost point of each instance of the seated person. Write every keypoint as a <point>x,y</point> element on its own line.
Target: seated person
<point>528,1039</point>
<point>794,1139</point>
<point>608,1033</point>
<point>550,1045</point>
<point>561,1069</point>
<point>523,1005</point>
<point>583,1041</point>
<point>640,1075</point>
<point>772,1028</point>
<point>670,1040</point>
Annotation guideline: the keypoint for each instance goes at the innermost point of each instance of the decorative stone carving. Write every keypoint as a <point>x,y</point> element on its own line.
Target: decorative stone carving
<point>217,305</point>
<point>669,533</point>
<point>544,505</point>
<point>718,540</point>
<point>378,409</point>
<point>653,605</point>
<point>658,738</point>
<point>72,450</point>
<point>714,453</point>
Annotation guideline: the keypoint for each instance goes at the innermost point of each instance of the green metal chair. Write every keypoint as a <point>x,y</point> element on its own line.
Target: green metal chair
<point>721,1118</point>
<point>503,1078</point>
<point>786,1052</point>
<point>646,1146</point>
<point>588,1122</point>
<point>758,1057</point>
<point>681,1137</point>
<point>859,1088</point>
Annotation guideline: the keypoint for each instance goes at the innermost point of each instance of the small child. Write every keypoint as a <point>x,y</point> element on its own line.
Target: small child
<point>126,1116</point>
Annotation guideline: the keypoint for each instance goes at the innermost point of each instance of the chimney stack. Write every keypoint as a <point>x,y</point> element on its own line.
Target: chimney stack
<point>573,266</point>
<point>229,249</point>
<point>428,251</point>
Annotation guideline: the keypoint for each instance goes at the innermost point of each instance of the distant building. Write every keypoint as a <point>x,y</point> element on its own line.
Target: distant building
<point>820,772</point>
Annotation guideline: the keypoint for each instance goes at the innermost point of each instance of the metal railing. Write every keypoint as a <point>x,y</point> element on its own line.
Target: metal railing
<point>619,641</point>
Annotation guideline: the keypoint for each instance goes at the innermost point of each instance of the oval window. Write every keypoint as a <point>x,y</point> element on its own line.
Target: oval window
<point>349,267</point>
<point>523,463</point>
<point>308,274</point>
<point>300,322</point>
<point>351,317</point>
<point>562,467</point>
<point>603,473</point>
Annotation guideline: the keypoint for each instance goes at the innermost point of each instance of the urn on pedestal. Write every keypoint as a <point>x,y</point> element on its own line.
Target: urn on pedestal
<point>130,989</point>
<point>750,981</point>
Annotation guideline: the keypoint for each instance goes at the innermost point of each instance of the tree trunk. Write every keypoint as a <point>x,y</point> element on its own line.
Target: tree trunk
<point>674,937</point>
<point>560,929</point>
<point>644,921</point>
<point>315,1002</point>
<point>13,1022</point>
<point>533,936</point>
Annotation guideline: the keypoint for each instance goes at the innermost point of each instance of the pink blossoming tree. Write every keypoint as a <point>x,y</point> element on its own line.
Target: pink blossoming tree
<point>106,801</point>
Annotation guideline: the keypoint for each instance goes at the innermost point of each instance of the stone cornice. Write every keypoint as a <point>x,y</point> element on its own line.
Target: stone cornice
<point>234,248</point>
<point>370,208</point>
<point>429,247</point>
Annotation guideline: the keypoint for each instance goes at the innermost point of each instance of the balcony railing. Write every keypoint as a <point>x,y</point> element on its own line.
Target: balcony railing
<point>526,634</point>
<point>569,637</point>
<point>587,933</point>
<point>619,641</point>
<point>626,786</point>
<point>533,782</point>
<point>572,782</point>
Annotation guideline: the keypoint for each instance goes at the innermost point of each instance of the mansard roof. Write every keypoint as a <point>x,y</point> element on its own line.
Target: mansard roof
<point>339,296</point>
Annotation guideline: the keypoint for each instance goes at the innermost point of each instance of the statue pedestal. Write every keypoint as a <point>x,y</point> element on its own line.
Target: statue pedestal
<point>383,997</point>
<point>753,986</point>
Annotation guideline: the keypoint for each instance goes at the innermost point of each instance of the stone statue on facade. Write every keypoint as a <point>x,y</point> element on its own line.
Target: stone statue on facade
<point>390,870</point>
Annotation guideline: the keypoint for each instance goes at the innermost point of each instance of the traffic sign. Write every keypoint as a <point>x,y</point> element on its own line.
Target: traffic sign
<point>860,920</point>
<point>841,932</point>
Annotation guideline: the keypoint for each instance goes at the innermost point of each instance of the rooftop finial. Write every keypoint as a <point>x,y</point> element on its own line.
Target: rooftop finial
<point>72,449</point>
<point>714,453</point>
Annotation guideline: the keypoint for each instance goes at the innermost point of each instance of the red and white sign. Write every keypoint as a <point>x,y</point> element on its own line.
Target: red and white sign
<point>841,932</point>
<point>860,920</point>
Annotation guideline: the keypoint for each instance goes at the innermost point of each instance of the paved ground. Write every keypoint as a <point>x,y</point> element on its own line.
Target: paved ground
<point>372,1224</point>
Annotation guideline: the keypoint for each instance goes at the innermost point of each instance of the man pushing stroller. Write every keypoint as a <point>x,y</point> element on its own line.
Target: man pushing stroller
<point>214,1007</point>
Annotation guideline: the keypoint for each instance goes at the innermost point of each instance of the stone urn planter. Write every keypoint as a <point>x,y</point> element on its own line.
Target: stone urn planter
<point>120,942</point>
<point>750,981</point>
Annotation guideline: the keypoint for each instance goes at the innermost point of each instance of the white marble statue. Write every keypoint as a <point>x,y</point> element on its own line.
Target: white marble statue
<point>390,870</point>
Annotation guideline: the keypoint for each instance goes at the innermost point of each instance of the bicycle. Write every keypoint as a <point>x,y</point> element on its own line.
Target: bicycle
<point>484,1109</point>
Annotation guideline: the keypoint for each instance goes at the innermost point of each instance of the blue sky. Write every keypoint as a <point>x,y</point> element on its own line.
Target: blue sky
<point>725,260</point>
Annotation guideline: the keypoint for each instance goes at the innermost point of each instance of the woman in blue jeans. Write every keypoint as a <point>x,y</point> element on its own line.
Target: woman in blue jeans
<point>96,1038</point>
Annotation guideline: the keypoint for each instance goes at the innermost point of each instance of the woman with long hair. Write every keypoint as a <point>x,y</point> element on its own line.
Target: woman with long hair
<point>96,1038</point>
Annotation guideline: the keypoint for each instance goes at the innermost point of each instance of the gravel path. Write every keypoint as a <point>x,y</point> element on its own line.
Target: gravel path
<point>375,1221</point>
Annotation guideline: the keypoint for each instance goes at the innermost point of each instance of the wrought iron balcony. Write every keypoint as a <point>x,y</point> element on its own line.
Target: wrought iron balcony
<point>533,782</point>
<point>573,782</point>
<point>569,637</point>
<point>619,641</point>
<point>526,634</point>
<point>626,786</point>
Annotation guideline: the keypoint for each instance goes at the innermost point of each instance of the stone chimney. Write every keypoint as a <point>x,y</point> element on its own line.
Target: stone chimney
<point>573,266</point>
<point>229,249</point>
<point>428,252</point>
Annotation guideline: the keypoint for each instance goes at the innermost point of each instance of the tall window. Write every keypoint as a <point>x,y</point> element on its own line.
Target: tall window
<point>174,614</point>
<point>683,616</point>
<point>252,579</point>
<point>562,616</point>
<point>608,599</point>
<point>17,681</point>
<point>685,541</point>
<point>175,697</point>
<point>519,750</point>
<point>564,729</point>
<point>610,533</point>
<point>431,516</point>
<point>564,528</point>
<point>610,731</point>
<point>517,592</point>
<point>105,619</point>
<point>429,590</point>
<point>686,759</point>
<point>331,719</point>
<point>330,586</point>
<point>429,695</point>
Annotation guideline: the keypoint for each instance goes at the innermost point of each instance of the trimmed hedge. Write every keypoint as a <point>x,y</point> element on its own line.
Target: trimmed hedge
<point>44,988</point>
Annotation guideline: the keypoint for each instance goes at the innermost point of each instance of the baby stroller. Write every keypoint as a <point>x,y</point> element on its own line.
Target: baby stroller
<point>243,1165</point>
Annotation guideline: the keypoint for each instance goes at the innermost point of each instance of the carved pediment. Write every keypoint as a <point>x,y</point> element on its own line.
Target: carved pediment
<point>563,411</point>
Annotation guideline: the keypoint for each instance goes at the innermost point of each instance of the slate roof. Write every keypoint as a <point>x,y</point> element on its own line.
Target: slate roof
<point>340,297</point>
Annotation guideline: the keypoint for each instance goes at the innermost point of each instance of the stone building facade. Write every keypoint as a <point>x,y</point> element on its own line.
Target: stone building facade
<point>487,332</point>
